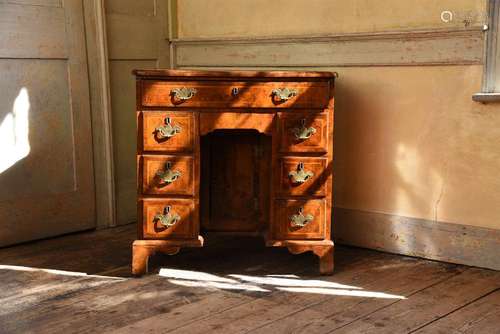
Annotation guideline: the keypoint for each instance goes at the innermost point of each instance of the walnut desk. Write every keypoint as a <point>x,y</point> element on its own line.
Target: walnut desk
<point>237,152</point>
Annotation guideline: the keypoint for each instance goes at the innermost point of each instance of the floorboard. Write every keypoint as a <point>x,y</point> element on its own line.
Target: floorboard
<point>88,252</point>
<point>479,317</point>
<point>188,317</point>
<point>81,283</point>
<point>427,305</point>
<point>387,285</point>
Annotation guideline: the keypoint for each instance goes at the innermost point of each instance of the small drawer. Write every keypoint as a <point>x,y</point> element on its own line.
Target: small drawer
<point>224,94</point>
<point>167,131</point>
<point>303,176</point>
<point>167,175</point>
<point>168,218</point>
<point>303,132</point>
<point>300,219</point>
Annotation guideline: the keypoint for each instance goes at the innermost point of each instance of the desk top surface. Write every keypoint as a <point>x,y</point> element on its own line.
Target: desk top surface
<point>166,73</point>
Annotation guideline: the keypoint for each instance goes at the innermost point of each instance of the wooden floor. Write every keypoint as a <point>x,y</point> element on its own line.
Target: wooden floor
<point>81,284</point>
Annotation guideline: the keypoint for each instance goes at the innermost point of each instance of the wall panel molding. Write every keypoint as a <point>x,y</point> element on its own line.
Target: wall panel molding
<point>399,48</point>
<point>463,244</point>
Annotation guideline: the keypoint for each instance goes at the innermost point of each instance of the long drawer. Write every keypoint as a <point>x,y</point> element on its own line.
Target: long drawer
<point>229,94</point>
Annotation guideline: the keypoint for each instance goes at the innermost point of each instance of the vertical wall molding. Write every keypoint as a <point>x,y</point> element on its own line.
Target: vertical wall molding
<point>490,88</point>
<point>102,141</point>
<point>491,77</point>
<point>172,30</point>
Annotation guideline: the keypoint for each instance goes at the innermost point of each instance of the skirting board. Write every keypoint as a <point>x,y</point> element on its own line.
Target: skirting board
<point>462,244</point>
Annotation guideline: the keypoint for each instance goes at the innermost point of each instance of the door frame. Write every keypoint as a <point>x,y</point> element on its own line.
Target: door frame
<point>102,135</point>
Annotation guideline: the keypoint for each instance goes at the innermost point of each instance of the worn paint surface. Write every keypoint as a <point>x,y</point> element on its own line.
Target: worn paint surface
<point>237,18</point>
<point>452,47</point>
<point>470,245</point>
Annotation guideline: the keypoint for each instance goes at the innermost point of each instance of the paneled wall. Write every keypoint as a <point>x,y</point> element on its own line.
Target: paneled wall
<point>137,38</point>
<point>46,170</point>
<point>416,160</point>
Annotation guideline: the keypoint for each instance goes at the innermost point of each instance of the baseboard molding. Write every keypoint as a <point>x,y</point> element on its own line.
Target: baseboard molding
<point>462,244</point>
<point>400,48</point>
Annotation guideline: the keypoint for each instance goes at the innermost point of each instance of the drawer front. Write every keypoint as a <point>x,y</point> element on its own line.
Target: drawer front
<point>235,94</point>
<point>167,175</point>
<point>303,133</point>
<point>300,219</point>
<point>168,218</point>
<point>167,131</point>
<point>302,176</point>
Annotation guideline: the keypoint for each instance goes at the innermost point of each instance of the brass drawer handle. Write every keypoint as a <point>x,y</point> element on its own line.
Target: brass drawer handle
<point>301,220</point>
<point>284,94</point>
<point>303,132</point>
<point>168,175</point>
<point>183,93</point>
<point>167,218</point>
<point>168,130</point>
<point>300,175</point>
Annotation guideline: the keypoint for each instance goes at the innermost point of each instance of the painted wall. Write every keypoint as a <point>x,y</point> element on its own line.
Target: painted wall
<point>409,140</point>
<point>221,18</point>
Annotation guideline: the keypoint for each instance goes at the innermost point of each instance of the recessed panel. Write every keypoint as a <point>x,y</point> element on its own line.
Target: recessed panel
<point>32,32</point>
<point>36,129</point>
<point>43,3</point>
<point>131,7</point>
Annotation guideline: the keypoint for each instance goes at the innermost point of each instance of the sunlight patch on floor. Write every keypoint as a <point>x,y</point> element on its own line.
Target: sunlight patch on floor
<point>290,282</point>
<point>194,276</point>
<point>218,285</point>
<point>268,283</point>
<point>342,292</point>
<point>55,271</point>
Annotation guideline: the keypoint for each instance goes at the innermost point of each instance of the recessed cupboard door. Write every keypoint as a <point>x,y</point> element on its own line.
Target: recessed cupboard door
<point>46,175</point>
